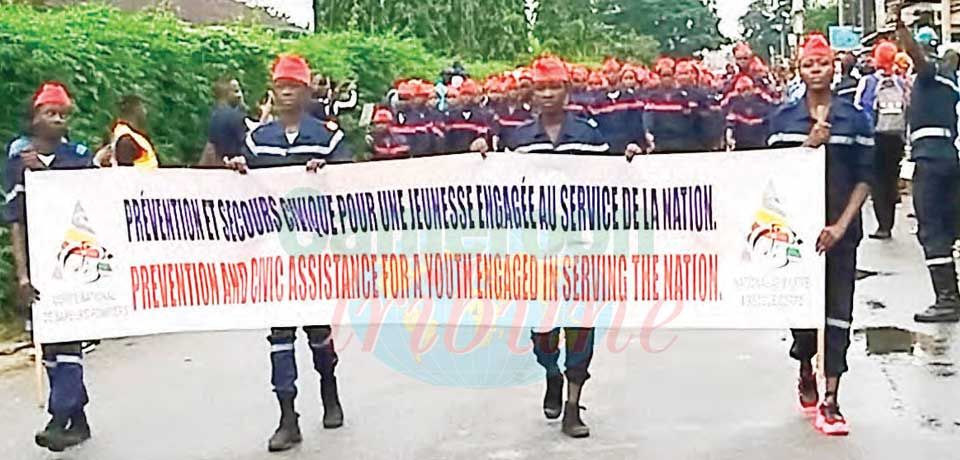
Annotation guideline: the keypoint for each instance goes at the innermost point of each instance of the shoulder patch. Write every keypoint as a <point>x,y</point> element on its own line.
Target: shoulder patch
<point>332,125</point>
<point>81,149</point>
<point>591,122</point>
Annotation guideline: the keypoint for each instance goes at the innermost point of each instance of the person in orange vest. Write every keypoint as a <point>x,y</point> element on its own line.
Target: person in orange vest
<point>128,143</point>
<point>44,146</point>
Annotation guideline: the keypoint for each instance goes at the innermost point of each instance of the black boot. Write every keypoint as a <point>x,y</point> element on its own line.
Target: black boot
<point>553,399</point>
<point>55,425</point>
<point>79,426</point>
<point>288,433</point>
<point>332,412</point>
<point>573,426</point>
<point>57,437</point>
<point>947,307</point>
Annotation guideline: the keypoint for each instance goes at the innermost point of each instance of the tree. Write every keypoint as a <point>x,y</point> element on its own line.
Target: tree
<point>682,26</point>
<point>765,25</point>
<point>819,18</point>
<point>493,29</point>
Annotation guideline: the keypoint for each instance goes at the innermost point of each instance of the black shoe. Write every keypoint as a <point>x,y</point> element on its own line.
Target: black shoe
<point>936,314</point>
<point>288,433</point>
<point>79,426</point>
<point>553,399</point>
<point>881,235</point>
<point>332,411</point>
<point>573,426</point>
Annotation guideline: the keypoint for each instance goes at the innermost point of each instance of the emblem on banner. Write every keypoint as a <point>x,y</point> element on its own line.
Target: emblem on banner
<point>81,258</point>
<point>771,241</point>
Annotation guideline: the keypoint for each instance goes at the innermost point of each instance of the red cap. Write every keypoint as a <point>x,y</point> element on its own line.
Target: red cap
<point>597,79</point>
<point>707,79</point>
<point>491,85</point>
<point>422,88</point>
<point>686,66</point>
<point>291,67</point>
<point>630,69</point>
<point>405,89</point>
<point>663,64</point>
<point>652,80</point>
<point>549,69</point>
<point>611,66</point>
<point>51,93</point>
<point>742,47</point>
<point>382,115</point>
<point>579,74</point>
<point>885,53</point>
<point>816,45</point>
<point>743,83</point>
<point>469,88</point>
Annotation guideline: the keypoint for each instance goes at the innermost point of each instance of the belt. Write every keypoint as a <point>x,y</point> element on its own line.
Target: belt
<point>921,133</point>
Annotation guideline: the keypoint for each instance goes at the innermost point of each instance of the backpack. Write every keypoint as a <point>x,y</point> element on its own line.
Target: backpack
<point>890,106</point>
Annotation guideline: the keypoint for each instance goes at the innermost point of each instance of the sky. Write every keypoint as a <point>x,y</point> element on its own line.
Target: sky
<point>301,12</point>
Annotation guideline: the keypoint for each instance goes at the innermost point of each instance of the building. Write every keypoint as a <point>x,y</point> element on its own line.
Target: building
<point>870,16</point>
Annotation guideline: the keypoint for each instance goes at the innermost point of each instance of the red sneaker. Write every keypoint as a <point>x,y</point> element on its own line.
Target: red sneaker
<point>807,393</point>
<point>830,421</point>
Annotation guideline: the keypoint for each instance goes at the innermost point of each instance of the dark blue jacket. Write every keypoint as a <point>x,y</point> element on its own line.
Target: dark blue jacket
<point>850,153</point>
<point>578,135</point>
<point>269,145</point>
<point>67,155</point>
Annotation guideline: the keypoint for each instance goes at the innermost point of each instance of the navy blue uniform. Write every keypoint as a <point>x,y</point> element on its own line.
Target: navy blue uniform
<point>465,124</point>
<point>508,118</point>
<point>620,118</point>
<point>933,125</point>
<point>577,135</point>
<point>850,152</point>
<point>847,88</point>
<point>269,146</point>
<point>747,119</point>
<point>672,116</point>
<point>712,119</point>
<point>228,129</point>
<point>421,126</point>
<point>63,361</point>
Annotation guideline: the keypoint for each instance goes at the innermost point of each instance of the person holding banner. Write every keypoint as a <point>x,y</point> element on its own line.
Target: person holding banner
<point>295,138</point>
<point>554,130</point>
<point>821,119</point>
<point>45,146</point>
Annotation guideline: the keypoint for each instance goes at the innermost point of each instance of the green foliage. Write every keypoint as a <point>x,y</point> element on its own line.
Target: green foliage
<point>763,25</point>
<point>818,18</point>
<point>495,29</point>
<point>682,27</point>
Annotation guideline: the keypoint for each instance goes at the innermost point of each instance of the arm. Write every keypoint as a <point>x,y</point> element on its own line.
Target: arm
<point>18,241</point>
<point>909,44</point>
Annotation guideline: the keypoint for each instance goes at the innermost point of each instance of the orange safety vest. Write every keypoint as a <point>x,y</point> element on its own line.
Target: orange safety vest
<point>146,157</point>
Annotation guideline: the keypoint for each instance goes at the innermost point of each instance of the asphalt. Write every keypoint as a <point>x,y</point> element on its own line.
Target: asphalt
<point>726,394</point>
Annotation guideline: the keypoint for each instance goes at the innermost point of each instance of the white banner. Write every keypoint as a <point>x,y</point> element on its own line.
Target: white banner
<point>714,240</point>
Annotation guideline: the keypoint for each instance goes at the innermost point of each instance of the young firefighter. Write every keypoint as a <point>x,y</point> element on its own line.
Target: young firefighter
<point>747,113</point>
<point>295,138</point>
<point>672,112</point>
<point>821,119</point>
<point>553,130</point>
<point>43,146</point>
<point>933,134</point>
<point>385,144</point>
<point>467,126</point>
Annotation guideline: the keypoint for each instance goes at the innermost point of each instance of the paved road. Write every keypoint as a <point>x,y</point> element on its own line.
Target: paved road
<point>713,395</point>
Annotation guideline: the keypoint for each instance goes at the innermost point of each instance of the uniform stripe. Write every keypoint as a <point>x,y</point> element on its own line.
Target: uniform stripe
<point>17,189</point>
<point>786,137</point>
<point>325,342</point>
<point>838,323</point>
<point>49,364</point>
<point>946,81</point>
<point>583,147</point>
<point>71,359</point>
<point>736,117</point>
<point>534,147</point>
<point>921,133</point>
<point>939,261</point>
<point>277,347</point>
<point>296,150</point>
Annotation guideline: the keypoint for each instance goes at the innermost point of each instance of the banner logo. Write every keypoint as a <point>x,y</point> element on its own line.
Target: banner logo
<point>81,260</point>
